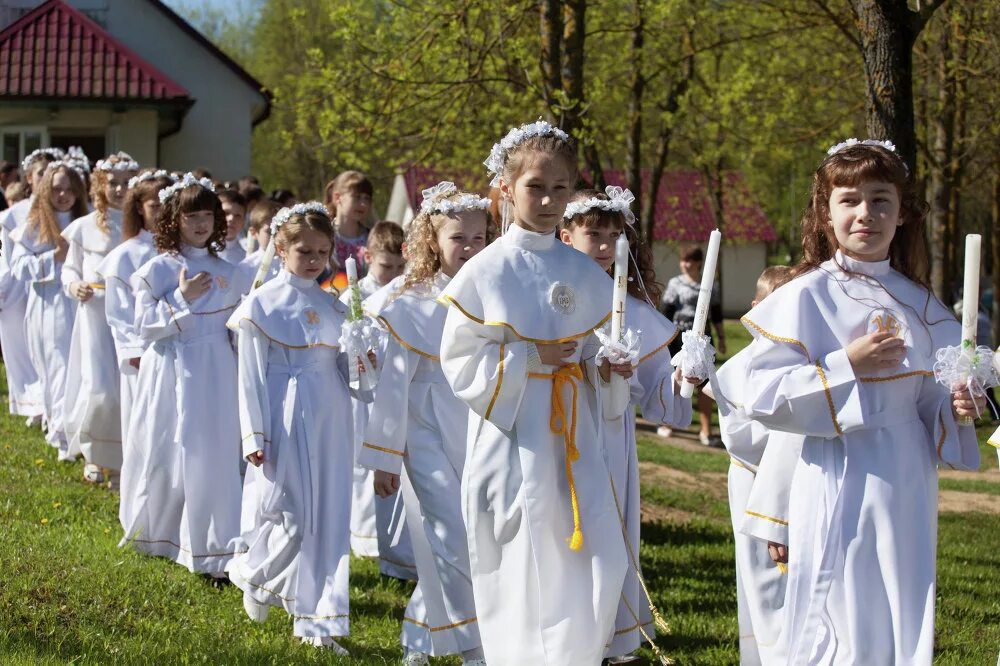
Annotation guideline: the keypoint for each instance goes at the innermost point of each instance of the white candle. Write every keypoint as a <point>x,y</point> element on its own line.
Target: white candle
<point>351,267</point>
<point>704,295</point>
<point>970,290</point>
<point>620,289</point>
<point>265,264</point>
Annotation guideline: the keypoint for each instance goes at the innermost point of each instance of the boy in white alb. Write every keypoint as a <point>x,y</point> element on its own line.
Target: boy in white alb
<point>259,229</point>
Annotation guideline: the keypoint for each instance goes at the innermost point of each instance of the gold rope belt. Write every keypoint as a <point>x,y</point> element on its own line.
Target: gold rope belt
<point>567,375</point>
<point>96,285</point>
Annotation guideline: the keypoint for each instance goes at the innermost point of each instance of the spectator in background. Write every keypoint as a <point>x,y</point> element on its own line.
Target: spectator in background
<point>284,197</point>
<point>8,176</point>
<point>678,304</point>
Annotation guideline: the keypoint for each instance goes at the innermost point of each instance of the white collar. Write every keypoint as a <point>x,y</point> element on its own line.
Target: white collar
<point>518,236</point>
<point>190,251</point>
<point>873,268</point>
<point>295,280</point>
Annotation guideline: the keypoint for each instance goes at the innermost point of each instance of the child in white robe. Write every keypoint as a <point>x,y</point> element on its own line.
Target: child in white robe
<point>140,212</point>
<point>93,416</point>
<point>185,425</point>
<point>37,258</point>
<point>545,539</point>
<point>234,205</point>
<point>259,229</point>
<point>377,523</point>
<point>418,422</point>
<point>843,354</point>
<point>297,433</point>
<point>593,223</point>
<point>23,389</point>
<point>760,584</point>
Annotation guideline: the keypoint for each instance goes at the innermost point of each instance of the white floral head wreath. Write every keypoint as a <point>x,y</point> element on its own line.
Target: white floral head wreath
<point>50,153</point>
<point>120,161</point>
<point>134,181</point>
<point>75,154</point>
<point>73,165</point>
<point>188,180</point>
<point>619,201</point>
<point>888,145</point>
<point>434,200</point>
<point>286,214</point>
<point>515,137</point>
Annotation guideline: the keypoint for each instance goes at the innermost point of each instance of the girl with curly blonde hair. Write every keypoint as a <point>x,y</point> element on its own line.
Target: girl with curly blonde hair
<point>417,421</point>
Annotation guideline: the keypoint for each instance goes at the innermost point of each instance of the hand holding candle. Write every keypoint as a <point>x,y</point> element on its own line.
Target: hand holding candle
<point>704,296</point>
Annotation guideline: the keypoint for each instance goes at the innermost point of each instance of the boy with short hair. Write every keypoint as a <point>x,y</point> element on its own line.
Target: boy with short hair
<point>234,205</point>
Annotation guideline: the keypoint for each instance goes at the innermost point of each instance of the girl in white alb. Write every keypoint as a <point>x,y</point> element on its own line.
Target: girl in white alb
<point>593,223</point>
<point>142,207</point>
<point>418,422</point>
<point>545,540</point>
<point>185,424</point>
<point>37,258</point>
<point>843,354</point>
<point>93,417</point>
<point>23,389</point>
<point>295,417</point>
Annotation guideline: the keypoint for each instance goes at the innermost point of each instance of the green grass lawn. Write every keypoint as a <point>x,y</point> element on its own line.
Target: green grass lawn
<point>68,594</point>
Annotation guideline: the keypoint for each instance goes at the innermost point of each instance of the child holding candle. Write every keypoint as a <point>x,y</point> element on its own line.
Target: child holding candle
<point>296,425</point>
<point>547,559</point>
<point>842,354</point>
<point>594,223</point>
<point>417,421</point>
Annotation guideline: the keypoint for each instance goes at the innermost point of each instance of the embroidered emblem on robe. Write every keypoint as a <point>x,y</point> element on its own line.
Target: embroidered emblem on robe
<point>222,282</point>
<point>312,317</point>
<point>562,298</point>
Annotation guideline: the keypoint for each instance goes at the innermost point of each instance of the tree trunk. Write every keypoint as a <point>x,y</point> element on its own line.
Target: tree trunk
<point>633,144</point>
<point>551,25</point>
<point>574,43</point>
<point>996,248</point>
<point>943,125</point>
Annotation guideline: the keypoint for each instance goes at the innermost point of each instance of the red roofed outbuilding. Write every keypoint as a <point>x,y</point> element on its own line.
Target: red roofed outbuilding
<point>128,75</point>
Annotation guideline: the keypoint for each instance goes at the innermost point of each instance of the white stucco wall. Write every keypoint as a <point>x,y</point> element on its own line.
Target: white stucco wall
<point>132,131</point>
<point>741,263</point>
<point>216,130</point>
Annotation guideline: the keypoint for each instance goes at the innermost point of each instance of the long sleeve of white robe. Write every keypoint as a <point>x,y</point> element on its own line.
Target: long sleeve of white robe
<point>72,268</point>
<point>653,391</point>
<point>30,267</point>
<point>158,318</point>
<point>251,362</point>
<point>384,444</point>
<point>119,308</point>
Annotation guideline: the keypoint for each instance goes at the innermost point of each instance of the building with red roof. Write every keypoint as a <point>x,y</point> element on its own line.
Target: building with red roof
<point>130,75</point>
<point>683,215</point>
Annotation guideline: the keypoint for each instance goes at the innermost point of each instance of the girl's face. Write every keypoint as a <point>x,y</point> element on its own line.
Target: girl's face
<point>117,187</point>
<point>150,209</point>
<point>352,205</point>
<point>865,219</point>
<point>197,227</point>
<point>308,256</point>
<point>597,242</point>
<point>459,239</point>
<point>35,174</point>
<point>540,194</point>
<point>235,219</point>
<point>62,197</point>
<point>262,235</point>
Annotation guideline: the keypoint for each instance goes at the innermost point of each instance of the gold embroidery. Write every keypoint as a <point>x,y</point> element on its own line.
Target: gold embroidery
<point>891,378</point>
<point>253,434</point>
<point>319,617</point>
<point>887,324</point>
<point>394,452</point>
<point>496,391</point>
<point>96,285</point>
<point>663,405</point>
<point>180,547</point>
<point>287,346</point>
<point>944,433</point>
<point>173,315</point>
<point>312,317</point>
<point>739,463</point>
<point>405,344</point>
<point>763,517</point>
<point>829,398</point>
<point>443,628</point>
<point>448,300</point>
<point>777,338</point>
<point>221,281</point>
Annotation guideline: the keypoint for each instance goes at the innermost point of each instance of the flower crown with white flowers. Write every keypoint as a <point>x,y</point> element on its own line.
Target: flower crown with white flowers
<point>72,165</point>
<point>515,137</point>
<point>188,180</point>
<point>76,154</point>
<point>122,162</point>
<point>888,145</point>
<point>619,201</point>
<point>434,200</point>
<point>134,181</point>
<point>50,153</point>
<point>286,214</point>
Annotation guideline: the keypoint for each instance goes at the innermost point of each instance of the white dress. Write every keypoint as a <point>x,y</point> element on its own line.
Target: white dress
<point>539,601</point>
<point>23,390</point>
<point>760,583</point>
<point>417,421</point>
<point>251,264</point>
<point>48,324</point>
<point>653,392</point>
<point>378,524</point>
<point>116,271</point>
<point>294,405</point>
<point>862,528</point>
<point>184,427</point>
<point>93,415</point>
<point>233,253</point>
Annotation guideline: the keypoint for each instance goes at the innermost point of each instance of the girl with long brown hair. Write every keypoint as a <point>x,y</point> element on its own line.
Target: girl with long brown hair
<point>37,258</point>
<point>843,354</point>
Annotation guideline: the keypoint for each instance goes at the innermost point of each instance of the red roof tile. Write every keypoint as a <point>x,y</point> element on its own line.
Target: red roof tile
<point>55,51</point>
<point>683,209</point>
